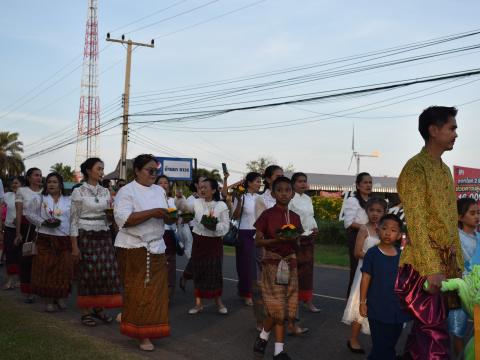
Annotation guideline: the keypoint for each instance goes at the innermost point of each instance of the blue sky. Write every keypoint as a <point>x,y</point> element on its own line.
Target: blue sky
<point>42,38</point>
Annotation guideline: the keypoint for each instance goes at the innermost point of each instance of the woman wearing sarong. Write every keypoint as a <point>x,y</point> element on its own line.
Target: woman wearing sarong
<point>169,237</point>
<point>302,205</point>
<point>12,251</point>
<point>244,212</point>
<point>52,266</point>
<point>207,249</point>
<point>25,231</point>
<point>140,210</point>
<point>98,282</point>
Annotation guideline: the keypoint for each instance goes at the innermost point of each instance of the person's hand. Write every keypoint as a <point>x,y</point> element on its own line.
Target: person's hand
<point>18,239</point>
<point>315,232</point>
<point>160,213</point>
<point>435,282</point>
<point>363,309</point>
<point>226,175</point>
<point>76,254</point>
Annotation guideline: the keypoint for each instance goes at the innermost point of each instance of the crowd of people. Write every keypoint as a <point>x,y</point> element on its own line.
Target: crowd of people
<point>119,249</point>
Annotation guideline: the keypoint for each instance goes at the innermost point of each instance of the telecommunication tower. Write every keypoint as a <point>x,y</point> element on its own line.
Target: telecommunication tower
<point>89,111</point>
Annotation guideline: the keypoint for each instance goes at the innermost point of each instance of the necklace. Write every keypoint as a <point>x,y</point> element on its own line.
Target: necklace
<point>94,194</point>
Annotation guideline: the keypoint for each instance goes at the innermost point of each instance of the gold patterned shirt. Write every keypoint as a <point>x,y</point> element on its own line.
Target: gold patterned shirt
<point>426,190</point>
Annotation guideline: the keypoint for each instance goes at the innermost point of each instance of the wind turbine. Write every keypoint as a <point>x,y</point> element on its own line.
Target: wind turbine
<point>357,155</point>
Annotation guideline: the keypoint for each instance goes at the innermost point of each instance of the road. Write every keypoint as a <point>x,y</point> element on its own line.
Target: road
<point>212,336</point>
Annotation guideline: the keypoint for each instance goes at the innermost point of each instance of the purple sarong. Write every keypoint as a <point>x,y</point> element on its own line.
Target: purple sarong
<point>429,337</point>
<point>245,260</point>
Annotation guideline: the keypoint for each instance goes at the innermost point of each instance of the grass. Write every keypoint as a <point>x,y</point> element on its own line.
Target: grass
<point>26,334</point>
<point>336,255</point>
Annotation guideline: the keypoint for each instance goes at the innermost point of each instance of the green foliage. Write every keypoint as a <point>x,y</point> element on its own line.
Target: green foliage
<point>213,174</point>
<point>11,162</point>
<point>331,232</point>
<point>326,208</point>
<point>66,171</point>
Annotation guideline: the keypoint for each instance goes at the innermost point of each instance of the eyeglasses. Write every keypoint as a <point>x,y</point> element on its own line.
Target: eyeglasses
<point>151,171</point>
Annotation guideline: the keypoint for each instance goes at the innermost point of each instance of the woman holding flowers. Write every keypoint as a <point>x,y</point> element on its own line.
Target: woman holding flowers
<point>245,196</point>
<point>52,267</point>
<point>211,223</point>
<point>141,212</point>
<point>98,281</point>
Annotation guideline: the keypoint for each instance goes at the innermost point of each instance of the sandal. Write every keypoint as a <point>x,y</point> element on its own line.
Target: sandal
<point>60,304</point>
<point>88,320</point>
<point>101,315</point>
<point>298,331</point>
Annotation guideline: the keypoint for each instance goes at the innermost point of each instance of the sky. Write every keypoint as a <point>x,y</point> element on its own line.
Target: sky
<point>206,41</point>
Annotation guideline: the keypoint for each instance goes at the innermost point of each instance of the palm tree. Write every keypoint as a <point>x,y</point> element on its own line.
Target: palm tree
<point>11,162</point>
<point>66,171</point>
<point>213,174</point>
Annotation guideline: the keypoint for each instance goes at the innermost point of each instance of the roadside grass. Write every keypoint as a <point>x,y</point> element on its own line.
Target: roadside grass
<point>26,334</point>
<point>336,255</point>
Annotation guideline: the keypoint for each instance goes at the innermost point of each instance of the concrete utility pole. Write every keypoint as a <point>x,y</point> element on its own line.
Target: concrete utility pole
<point>123,155</point>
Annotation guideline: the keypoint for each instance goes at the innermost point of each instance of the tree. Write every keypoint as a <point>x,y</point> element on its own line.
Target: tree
<point>11,162</point>
<point>66,171</point>
<point>260,164</point>
<point>263,162</point>
<point>213,174</point>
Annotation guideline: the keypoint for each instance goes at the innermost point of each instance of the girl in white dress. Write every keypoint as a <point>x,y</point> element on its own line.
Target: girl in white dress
<point>367,237</point>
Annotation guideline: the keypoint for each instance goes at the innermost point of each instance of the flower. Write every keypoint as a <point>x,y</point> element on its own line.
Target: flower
<point>171,210</point>
<point>289,227</point>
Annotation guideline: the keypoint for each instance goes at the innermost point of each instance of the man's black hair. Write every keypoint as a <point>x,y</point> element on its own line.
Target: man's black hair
<point>434,115</point>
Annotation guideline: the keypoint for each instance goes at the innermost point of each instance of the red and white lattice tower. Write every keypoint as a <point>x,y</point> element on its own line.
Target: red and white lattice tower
<point>89,112</point>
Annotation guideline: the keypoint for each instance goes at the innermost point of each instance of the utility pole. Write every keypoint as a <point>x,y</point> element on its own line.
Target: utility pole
<point>126,95</point>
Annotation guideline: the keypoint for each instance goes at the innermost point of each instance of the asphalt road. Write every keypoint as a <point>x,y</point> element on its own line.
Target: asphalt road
<point>212,336</point>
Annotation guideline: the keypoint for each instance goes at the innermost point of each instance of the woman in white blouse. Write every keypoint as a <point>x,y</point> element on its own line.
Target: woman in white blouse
<point>302,205</point>
<point>207,249</point>
<point>244,212</point>
<point>140,210</point>
<point>98,283</point>
<point>355,216</point>
<point>12,251</point>
<point>169,237</point>
<point>24,230</point>
<point>52,267</point>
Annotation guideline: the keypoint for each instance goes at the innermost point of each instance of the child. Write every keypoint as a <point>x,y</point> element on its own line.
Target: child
<point>367,237</point>
<point>468,219</point>
<point>280,300</point>
<point>378,300</point>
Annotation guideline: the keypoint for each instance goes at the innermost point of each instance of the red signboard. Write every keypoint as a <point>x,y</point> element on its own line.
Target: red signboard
<point>467,182</point>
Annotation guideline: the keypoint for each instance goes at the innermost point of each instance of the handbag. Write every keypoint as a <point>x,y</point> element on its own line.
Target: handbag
<point>231,237</point>
<point>283,273</point>
<point>29,248</point>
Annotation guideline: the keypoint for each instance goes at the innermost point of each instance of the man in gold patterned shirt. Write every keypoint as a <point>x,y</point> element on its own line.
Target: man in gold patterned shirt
<point>434,253</point>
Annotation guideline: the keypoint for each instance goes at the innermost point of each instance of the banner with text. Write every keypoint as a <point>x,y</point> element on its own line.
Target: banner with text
<point>175,168</point>
<point>467,182</point>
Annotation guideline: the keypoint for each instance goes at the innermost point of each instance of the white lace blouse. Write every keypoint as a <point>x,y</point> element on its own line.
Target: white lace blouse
<point>88,208</point>
<point>43,207</point>
<point>302,205</point>
<point>200,207</point>
<point>135,197</point>
<point>25,195</point>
